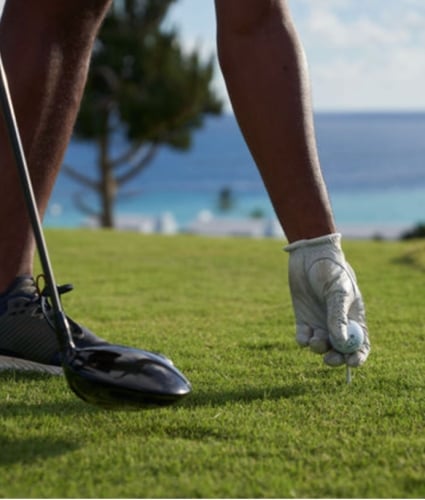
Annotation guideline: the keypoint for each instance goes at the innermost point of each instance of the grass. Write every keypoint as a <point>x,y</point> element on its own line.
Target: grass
<point>266,419</point>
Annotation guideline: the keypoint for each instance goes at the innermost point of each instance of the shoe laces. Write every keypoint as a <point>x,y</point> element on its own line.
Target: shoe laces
<point>45,291</point>
<point>45,294</point>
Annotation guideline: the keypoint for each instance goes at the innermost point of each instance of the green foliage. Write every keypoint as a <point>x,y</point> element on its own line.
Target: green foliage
<point>416,232</point>
<point>143,85</point>
<point>141,79</point>
<point>266,418</point>
<point>257,213</point>
<point>226,200</point>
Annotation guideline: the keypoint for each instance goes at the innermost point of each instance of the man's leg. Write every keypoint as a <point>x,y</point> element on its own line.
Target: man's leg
<point>46,47</point>
<point>266,76</point>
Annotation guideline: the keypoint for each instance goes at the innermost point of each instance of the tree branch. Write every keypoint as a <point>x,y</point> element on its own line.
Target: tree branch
<point>126,157</point>
<point>81,178</point>
<point>138,167</point>
<point>81,204</point>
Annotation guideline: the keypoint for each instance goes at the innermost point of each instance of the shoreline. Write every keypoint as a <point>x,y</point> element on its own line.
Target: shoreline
<point>373,231</point>
<point>206,224</point>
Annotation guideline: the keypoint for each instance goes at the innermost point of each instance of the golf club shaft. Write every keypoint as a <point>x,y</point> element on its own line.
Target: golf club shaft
<point>62,327</point>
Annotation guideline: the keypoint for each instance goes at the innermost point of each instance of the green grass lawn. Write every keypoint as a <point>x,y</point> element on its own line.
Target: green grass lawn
<point>266,419</point>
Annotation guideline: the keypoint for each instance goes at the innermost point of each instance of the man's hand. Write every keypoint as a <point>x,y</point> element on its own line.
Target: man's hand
<point>325,296</point>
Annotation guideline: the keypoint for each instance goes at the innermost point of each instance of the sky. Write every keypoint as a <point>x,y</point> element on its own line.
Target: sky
<point>362,54</point>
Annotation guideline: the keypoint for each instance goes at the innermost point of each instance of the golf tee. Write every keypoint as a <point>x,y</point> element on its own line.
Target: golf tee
<point>348,374</point>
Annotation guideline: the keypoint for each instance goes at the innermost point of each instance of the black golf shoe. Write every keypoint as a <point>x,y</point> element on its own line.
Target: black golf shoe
<point>27,336</point>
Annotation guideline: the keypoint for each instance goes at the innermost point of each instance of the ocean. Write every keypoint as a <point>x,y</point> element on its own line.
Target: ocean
<point>373,163</point>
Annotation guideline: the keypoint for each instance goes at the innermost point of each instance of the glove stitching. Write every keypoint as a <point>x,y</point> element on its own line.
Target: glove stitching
<point>338,264</point>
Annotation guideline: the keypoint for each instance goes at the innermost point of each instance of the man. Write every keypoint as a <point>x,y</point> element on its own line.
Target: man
<point>46,47</point>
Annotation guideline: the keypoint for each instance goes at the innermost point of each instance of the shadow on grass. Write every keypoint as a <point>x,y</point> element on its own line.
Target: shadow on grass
<point>15,408</point>
<point>28,450</point>
<point>244,395</point>
<point>25,376</point>
<point>414,258</point>
<point>200,397</point>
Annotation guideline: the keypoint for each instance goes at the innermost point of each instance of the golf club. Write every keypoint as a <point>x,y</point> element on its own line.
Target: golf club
<point>110,376</point>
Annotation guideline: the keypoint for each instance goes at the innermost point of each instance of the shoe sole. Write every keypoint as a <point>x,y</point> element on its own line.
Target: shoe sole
<point>8,363</point>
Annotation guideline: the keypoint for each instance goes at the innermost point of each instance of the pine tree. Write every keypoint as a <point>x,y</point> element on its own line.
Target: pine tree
<point>143,85</point>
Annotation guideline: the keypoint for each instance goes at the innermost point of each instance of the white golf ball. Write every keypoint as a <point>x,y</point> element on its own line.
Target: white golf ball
<point>354,341</point>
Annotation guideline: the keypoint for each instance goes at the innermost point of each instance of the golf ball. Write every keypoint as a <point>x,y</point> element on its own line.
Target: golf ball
<point>354,340</point>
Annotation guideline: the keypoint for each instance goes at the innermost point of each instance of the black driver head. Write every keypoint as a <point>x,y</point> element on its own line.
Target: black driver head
<point>118,377</point>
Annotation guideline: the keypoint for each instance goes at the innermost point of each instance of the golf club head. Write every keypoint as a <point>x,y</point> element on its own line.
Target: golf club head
<point>118,377</point>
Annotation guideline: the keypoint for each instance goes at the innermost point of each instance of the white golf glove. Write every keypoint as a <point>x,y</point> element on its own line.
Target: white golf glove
<point>324,296</point>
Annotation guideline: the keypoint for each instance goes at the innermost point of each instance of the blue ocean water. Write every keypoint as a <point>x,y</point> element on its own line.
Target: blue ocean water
<point>374,166</point>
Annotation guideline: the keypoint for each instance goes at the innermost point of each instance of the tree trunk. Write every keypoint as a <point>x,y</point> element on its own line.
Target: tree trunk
<point>108,189</point>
